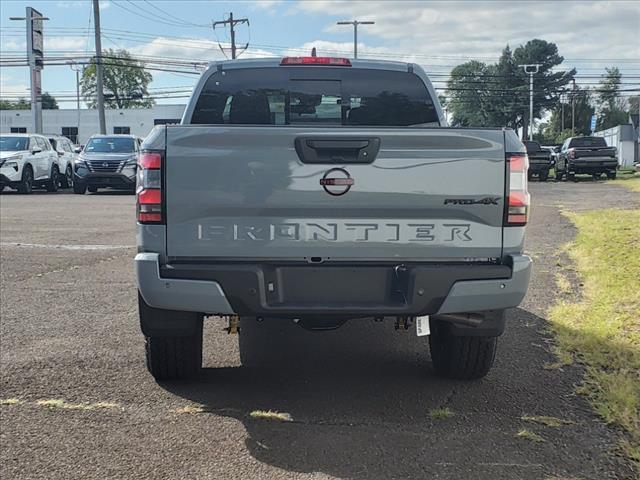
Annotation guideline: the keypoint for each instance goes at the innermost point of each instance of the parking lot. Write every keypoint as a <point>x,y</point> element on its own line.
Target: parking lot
<point>79,403</point>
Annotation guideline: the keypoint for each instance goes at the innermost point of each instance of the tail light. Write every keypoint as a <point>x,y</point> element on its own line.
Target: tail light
<point>332,61</point>
<point>149,192</point>
<point>517,208</point>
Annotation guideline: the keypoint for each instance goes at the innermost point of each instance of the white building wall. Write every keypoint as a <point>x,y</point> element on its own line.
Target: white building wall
<point>622,137</point>
<point>139,120</point>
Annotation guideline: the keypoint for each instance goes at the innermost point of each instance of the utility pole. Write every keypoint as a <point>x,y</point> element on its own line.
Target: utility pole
<point>99,84</point>
<point>232,23</point>
<point>562,105</point>
<point>76,68</point>
<point>573,108</point>
<point>35,51</point>
<point>531,70</point>
<point>355,24</point>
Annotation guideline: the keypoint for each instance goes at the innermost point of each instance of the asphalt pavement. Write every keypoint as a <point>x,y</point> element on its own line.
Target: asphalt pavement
<point>77,401</point>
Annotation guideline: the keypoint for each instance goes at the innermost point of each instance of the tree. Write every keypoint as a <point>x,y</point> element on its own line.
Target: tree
<point>48,102</point>
<point>584,110</point>
<point>612,108</point>
<point>125,82</point>
<point>469,101</point>
<point>21,104</point>
<point>498,95</point>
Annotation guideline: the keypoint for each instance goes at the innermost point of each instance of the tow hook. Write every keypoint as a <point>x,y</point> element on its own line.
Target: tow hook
<point>403,323</point>
<point>233,327</point>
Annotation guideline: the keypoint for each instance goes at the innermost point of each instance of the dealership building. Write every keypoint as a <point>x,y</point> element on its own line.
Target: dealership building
<point>79,126</point>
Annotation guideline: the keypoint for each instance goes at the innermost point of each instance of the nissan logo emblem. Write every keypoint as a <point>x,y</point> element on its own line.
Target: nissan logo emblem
<point>337,181</point>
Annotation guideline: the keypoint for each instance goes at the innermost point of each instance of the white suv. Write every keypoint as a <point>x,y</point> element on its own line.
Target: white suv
<point>66,158</point>
<point>28,161</point>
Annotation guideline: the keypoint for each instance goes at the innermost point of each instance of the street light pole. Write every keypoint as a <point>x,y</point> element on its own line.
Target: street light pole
<point>76,68</point>
<point>531,69</point>
<point>355,24</point>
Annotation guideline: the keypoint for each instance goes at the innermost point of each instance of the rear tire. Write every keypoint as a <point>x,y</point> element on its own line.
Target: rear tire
<point>559,175</point>
<point>52,183</point>
<point>174,358</point>
<point>79,188</point>
<point>461,357</point>
<point>172,352</point>
<point>543,176</point>
<point>611,175</point>
<point>26,184</point>
<point>92,189</point>
<point>67,180</point>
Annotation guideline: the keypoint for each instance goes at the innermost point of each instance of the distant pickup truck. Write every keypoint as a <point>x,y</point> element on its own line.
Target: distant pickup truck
<point>540,160</point>
<point>317,190</point>
<point>589,155</point>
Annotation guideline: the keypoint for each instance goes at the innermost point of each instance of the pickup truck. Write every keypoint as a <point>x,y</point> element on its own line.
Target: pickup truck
<point>540,160</point>
<point>589,155</point>
<point>316,190</point>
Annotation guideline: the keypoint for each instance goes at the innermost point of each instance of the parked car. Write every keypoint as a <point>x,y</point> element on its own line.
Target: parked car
<point>589,155</point>
<point>540,160</point>
<point>27,161</point>
<point>66,158</point>
<point>107,161</point>
<point>284,198</point>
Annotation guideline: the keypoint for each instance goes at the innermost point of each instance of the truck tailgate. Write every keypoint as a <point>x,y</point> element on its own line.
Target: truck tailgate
<point>244,192</point>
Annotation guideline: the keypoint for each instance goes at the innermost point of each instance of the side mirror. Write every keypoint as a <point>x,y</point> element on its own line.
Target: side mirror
<point>35,150</point>
<point>77,149</point>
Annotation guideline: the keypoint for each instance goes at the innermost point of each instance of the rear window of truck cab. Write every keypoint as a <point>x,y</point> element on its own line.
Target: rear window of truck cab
<point>314,96</point>
<point>588,142</point>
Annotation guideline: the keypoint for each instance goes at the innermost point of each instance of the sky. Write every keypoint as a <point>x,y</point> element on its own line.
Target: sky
<point>438,35</point>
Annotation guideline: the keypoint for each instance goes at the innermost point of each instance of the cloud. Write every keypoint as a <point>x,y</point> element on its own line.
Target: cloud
<point>463,29</point>
<point>65,43</point>
<point>104,4</point>
<point>11,86</point>
<point>199,50</point>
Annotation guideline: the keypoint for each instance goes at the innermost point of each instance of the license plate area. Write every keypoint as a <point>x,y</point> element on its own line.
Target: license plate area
<point>329,286</point>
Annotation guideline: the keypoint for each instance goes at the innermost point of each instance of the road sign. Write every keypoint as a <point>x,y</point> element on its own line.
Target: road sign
<point>593,123</point>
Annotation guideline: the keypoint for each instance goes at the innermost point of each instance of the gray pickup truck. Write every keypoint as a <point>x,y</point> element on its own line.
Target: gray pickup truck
<point>317,190</point>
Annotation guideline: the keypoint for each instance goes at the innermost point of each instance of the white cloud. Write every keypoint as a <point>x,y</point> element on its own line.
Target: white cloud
<point>594,29</point>
<point>104,4</point>
<point>65,43</point>
<point>11,86</point>
<point>199,50</point>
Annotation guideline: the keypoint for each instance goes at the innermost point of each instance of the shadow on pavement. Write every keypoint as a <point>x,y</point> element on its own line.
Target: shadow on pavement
<point>360,399</point>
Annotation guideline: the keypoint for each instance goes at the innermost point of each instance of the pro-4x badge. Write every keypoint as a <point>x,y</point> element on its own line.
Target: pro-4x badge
<point>472,201</point>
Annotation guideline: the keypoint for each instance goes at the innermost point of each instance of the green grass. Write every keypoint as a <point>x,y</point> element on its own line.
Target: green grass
<point>629,179</point>
<point>546,421</point>
<point>529,435</point>
<point>601,330</point>
<point>441,413</point>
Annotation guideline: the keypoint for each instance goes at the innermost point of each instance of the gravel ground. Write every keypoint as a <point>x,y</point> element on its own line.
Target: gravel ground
<point>359,397</point>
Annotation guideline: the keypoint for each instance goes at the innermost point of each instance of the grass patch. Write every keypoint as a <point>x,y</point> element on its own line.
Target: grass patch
<point>546,421</point>
<point>629,179</point>
<point>271,415</point>
<point>563,284</point>
<point>10,401</point>
<point>189,409</point>
<point>602,329</point>
<point>63,404</point>
<point>441,413</point>
<point>529,435</point>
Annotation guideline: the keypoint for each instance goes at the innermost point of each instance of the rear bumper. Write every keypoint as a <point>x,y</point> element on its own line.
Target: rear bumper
<point>592,165</point>
<point>338,291</point>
